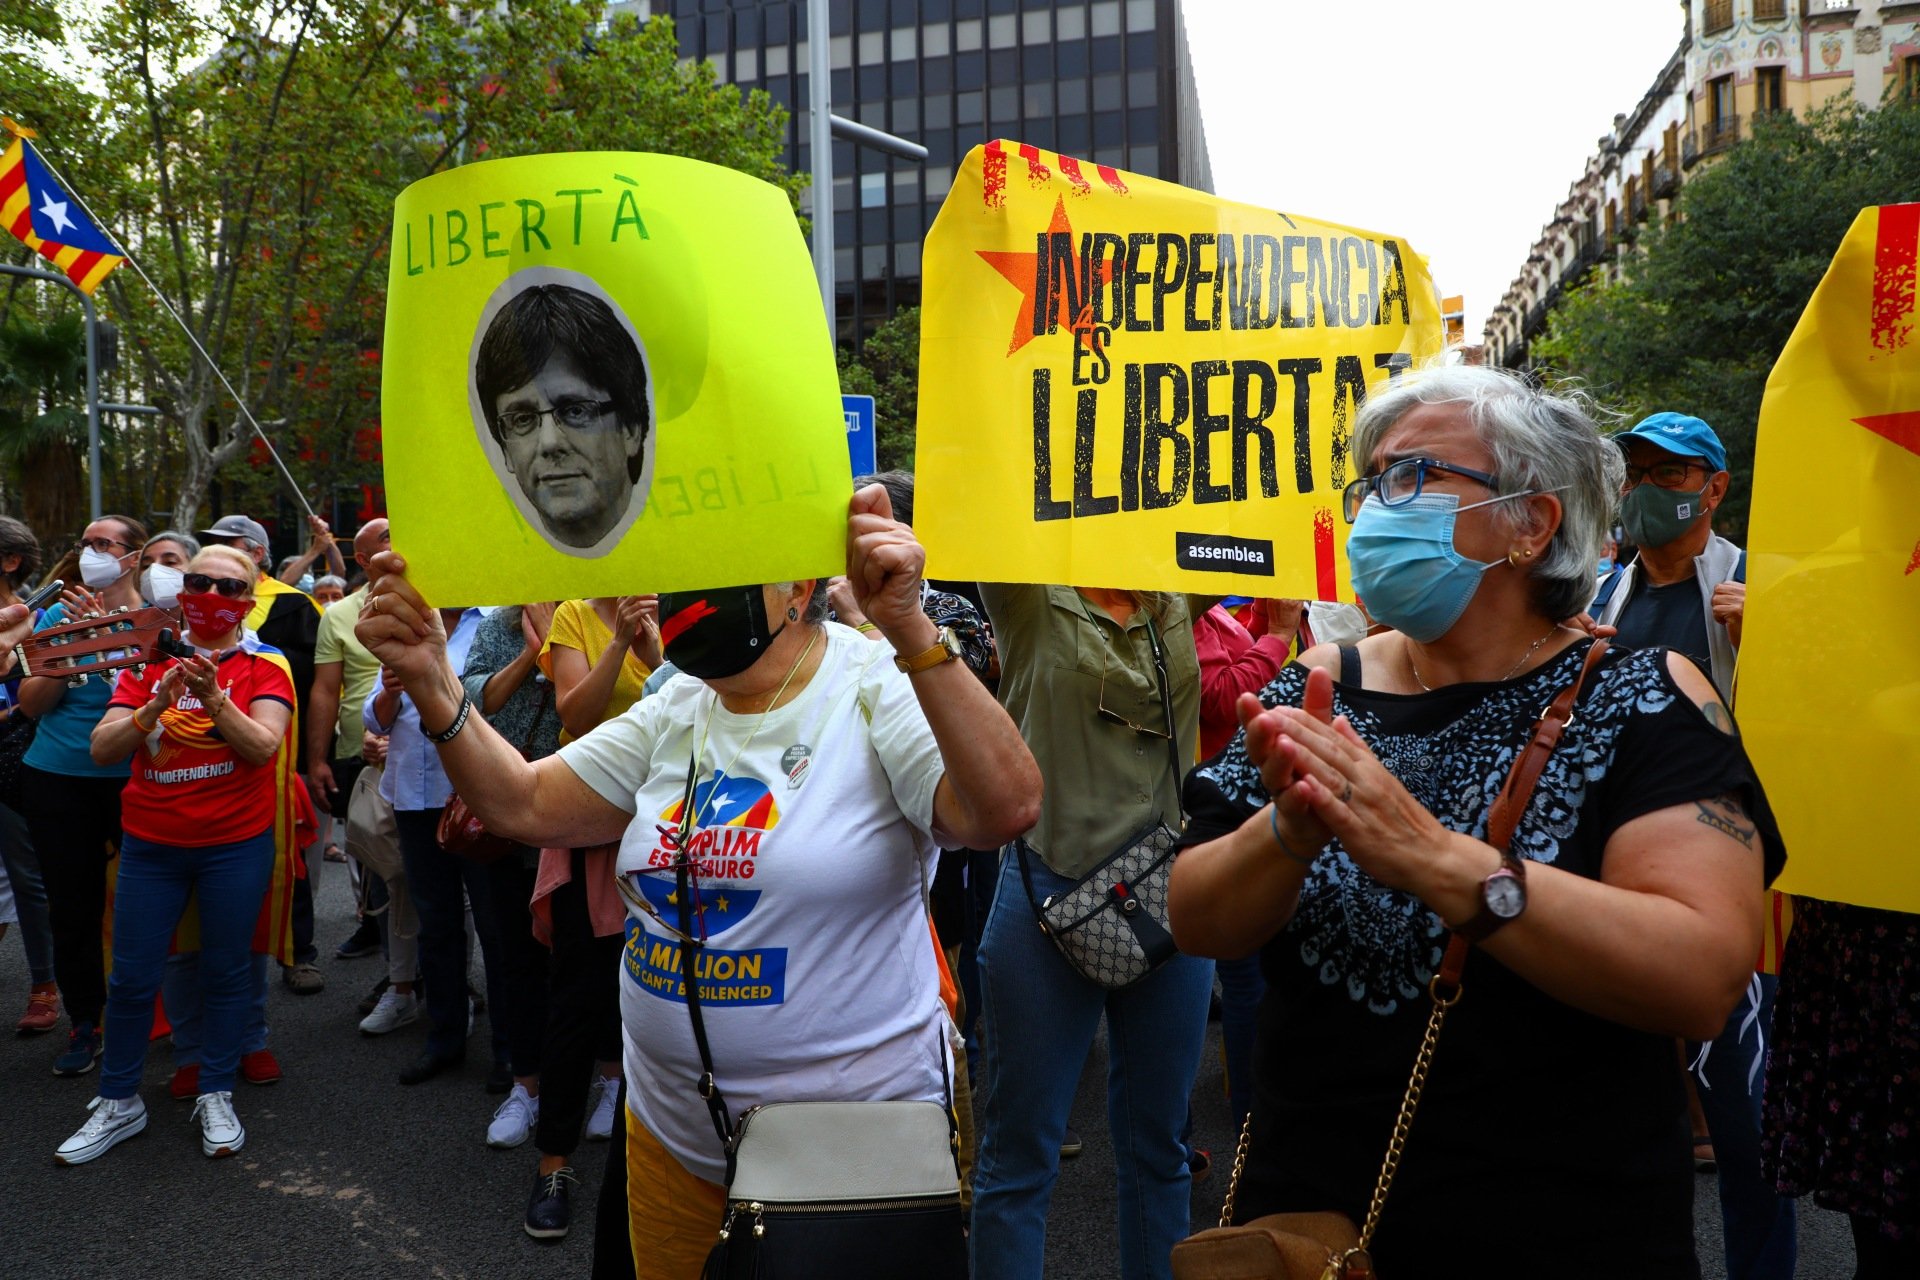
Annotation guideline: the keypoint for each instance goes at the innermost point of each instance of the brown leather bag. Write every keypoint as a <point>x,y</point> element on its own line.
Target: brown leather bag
<point>1327,1245</point>
<point>463,834</point>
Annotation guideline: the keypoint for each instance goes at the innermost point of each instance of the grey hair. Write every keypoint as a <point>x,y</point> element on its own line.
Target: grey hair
<point>1542,440</point>
<point>330,580</point>
<point>189,543</point>
<point>816,611</point>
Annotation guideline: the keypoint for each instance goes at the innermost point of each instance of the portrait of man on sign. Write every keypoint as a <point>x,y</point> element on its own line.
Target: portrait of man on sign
<point>563,402</point>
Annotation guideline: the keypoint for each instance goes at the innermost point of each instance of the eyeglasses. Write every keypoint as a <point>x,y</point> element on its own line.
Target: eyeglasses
<point>576,415</point>
<point>102,545</point>
<point>200,584</point>
<point>1665,475</point>
<point>1114,717</point>
<point>1402,482</point>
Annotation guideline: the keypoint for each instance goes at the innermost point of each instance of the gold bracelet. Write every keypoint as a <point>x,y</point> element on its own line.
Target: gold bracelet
<point>143,728</point>
<point>865,627</point>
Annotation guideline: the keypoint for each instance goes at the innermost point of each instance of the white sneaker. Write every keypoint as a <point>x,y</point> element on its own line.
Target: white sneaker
<point>113,1121</point>
<point>394,1010</point>
<point>220,1131</point>
<point>600,1119</point>
<point>514,1120</point>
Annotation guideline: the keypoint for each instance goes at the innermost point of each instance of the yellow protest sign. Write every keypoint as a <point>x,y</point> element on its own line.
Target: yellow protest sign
<point>607,373</point>
<point>1829,696</point>
<point>1128,383</point>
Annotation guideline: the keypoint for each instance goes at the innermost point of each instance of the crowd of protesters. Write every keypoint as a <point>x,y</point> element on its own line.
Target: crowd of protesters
<point>878,778</point>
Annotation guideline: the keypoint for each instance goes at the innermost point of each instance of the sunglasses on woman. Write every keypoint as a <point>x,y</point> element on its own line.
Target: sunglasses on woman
<point>200,584</point>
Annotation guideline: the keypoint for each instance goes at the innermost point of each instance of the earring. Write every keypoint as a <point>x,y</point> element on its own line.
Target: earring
<point>1516,556</point>
<point>793,615</point>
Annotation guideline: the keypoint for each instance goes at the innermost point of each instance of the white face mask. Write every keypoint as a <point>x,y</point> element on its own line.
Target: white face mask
<point>98,569</point>
<point>160,584</point>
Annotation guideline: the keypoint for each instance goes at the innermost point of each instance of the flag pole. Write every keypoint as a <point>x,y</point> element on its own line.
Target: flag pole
<point>140,271</point>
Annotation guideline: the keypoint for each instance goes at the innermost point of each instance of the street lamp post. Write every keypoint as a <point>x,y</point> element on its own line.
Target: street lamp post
<point>823,128</point>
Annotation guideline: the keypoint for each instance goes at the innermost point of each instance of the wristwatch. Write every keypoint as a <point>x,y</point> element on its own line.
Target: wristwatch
<point>945,649</point>
<point>1503,896</point>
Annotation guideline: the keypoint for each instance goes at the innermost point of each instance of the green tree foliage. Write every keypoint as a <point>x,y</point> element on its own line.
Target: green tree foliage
<point>43,419</point>
<point>250,152</point>
<point>889,370</point>
<point>1709,301</point>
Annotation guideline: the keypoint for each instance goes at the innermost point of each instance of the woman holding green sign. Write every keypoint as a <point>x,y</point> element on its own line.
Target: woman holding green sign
<point>811,777</point>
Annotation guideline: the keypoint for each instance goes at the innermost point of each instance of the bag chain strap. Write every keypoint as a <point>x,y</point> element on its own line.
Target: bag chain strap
<point>1239,1167</point>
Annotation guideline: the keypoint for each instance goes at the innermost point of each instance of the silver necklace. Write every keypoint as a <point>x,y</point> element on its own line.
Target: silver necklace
<point>1511,671</point>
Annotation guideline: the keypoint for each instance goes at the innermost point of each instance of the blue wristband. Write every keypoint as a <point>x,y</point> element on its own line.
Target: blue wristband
<point>1273,821</point>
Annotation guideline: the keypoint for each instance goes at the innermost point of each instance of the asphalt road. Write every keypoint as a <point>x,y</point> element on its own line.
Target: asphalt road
<point>347,1174</point>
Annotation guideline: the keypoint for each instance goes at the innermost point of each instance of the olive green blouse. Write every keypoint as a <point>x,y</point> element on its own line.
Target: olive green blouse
<point>1104,781</point>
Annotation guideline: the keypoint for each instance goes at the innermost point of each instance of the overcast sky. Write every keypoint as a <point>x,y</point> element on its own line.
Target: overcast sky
<point>1457,126</point>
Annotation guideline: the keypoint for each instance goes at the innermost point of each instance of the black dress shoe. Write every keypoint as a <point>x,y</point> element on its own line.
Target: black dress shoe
<point>548,1212</point>
<point>428,1065</point>
<point>500,1078</point>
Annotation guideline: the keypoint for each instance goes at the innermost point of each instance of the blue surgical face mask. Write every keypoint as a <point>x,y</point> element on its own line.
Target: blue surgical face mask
<point>1405,567</point>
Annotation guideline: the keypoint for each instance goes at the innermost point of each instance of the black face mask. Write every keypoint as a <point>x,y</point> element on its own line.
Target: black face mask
<point>711,635</point>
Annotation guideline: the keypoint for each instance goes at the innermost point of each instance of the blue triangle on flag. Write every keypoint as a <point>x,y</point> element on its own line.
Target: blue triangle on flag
<point>57,216</point>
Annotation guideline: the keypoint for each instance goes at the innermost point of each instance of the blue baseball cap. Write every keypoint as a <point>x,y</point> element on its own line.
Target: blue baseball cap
<point>1680,435</point>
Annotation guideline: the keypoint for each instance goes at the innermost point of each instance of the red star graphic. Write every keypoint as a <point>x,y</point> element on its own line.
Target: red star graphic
<point>1902,429</point>
<point>1020,269</point>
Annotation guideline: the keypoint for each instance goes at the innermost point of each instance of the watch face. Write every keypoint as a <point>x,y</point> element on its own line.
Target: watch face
<point>1506,895</point>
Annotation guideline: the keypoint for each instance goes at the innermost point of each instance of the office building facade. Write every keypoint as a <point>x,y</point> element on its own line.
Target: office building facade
<point>1109,81</point>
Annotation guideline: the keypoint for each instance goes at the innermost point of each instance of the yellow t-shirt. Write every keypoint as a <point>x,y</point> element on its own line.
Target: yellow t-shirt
<point>576,626</point>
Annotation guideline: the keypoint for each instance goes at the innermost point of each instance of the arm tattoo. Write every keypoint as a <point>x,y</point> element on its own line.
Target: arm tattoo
<point>1727,815</point>
<point>1719,717</point>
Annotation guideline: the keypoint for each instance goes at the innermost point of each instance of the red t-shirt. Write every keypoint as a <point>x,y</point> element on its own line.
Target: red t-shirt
<point>189,788</point>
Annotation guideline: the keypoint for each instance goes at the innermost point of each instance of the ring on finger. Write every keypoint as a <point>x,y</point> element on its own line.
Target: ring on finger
<point>1346,796</point>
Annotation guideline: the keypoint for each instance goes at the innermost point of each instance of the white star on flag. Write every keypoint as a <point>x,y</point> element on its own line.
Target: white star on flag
<point>56,210</point>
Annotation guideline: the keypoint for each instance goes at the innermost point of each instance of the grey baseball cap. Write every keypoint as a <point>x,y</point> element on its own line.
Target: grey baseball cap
<point>237,526</point>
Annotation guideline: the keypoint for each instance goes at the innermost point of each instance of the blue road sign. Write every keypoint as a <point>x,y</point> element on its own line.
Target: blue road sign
<point>860,446</point>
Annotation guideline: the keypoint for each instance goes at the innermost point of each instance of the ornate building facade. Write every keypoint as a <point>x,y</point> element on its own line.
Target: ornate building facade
<point>1736,59</point>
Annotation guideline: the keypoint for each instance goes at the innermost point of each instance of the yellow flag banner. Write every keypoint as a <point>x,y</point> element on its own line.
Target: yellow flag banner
<point>607,373</point>
<point>1829,696</point>
<point>1124,382</point>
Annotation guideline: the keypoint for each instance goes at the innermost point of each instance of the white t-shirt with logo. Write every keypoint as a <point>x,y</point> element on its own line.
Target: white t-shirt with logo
<point>813,851</point>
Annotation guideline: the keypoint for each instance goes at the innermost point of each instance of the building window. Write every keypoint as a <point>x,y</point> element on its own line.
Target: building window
<point>1910,77</point>
<point>873,190</point>
<point>1139,15</point>
<point>1718,17</point>
<point>1767,90</point>
<point>1105,17</point>
<point>1723,126</point>
<point>1769,10</point>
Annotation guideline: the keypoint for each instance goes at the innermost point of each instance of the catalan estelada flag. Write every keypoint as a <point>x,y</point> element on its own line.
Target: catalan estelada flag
<point>38,210</point>
<point>1829,695</point>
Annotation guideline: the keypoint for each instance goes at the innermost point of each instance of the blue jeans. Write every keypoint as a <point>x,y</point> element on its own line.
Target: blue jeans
<point>436,879</point>
<point>1241,986</point>
<point>1759,1226</point>
<point>186,1007</point>
<point>229,880</point>
<point>29,894</point>
<point>1038,1019</point>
